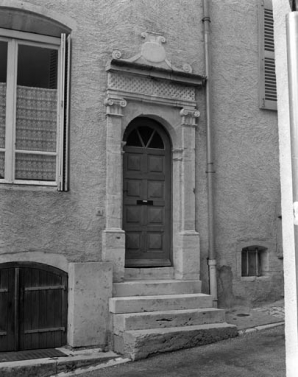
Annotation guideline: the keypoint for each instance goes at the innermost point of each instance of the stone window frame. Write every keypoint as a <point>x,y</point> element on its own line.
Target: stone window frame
<point>169,97</point>
<point>266,246</point>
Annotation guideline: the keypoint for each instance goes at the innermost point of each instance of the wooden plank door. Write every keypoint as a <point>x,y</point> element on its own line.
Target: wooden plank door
<point>33,307</point>
<point>43,308</point>
<point>147,195</point>
<point>7,309</point>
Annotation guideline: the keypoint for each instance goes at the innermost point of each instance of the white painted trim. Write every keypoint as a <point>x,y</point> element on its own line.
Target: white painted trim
<point>29,36</point>
<point>11,94</point>
<point>35,152</point>
<point>10,109</point>
<point>34,183</point>
<point>60,113</point>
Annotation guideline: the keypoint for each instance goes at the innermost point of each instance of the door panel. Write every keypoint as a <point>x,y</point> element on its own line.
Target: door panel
<point>7,312</point>
<point>147,195</point>
<point>37,307</point>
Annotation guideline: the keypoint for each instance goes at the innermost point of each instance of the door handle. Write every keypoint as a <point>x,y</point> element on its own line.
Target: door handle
<point>145,202</point>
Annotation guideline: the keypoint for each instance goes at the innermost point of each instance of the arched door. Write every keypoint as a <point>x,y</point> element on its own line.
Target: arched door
<point>33,306</point>
<point>147,194</point>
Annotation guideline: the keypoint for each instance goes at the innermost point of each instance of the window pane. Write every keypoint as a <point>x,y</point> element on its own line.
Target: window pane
<point>156,142</point>
<point>145,133</point>
<point>3,71</point>
<point>36,118</point>
<point>35,167</point>
<point>37,67</point>
<point>133,139</point>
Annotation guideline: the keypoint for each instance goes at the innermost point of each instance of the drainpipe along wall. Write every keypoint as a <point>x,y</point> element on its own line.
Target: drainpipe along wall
<point>209,159</point>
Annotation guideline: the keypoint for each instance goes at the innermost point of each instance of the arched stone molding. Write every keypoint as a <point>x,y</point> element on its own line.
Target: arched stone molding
<point>160,115</point>
<point>167,96</point>
<point>60,22</point>
<point>51,259</point>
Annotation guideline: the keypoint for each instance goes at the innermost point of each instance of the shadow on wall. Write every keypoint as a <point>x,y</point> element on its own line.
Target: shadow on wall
<point>226,298</point>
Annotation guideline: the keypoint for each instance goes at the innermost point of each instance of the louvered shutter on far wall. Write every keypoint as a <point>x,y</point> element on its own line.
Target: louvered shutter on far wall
<point>267,79</point>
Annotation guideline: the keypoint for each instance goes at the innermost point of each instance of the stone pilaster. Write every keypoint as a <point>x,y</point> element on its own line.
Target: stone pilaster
<point>188,258</point>
<point>113,236</point>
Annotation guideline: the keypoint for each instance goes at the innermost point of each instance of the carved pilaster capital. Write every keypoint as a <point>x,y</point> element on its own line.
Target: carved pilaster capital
<point>123,143</point>
<point>177,154</point>
<point>115,106</point>
<point>189,116</point>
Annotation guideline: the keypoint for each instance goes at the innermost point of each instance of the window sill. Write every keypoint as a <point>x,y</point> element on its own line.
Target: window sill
<point>26,187</point>
<point>254,278</point>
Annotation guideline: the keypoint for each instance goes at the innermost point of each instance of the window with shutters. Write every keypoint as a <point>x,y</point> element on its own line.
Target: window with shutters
<point>33,109</point>
<point>267,78</point>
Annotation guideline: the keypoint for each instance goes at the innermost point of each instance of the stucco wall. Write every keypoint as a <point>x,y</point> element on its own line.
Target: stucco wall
<point>245,137</point>
<point>247,193</point>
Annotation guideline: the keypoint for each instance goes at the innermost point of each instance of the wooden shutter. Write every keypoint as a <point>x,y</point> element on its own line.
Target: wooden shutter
<point>267,77</point>
<point>64,114</point>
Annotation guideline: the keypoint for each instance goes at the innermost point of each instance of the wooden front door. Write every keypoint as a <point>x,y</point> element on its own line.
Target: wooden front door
<point>33,307</point>
<point>147,194</point>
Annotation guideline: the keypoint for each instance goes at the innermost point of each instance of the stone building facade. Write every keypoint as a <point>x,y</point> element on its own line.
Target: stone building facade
<point>127,82</point>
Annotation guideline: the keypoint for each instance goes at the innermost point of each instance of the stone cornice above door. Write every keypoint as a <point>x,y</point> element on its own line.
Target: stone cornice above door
<point>150,77</point>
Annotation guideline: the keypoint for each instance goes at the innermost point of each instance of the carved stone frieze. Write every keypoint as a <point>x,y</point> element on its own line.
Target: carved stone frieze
<point>153,53</point>
<point>146,86</point>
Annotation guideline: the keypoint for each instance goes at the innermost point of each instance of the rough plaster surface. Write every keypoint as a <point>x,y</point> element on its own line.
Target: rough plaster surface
<point>245,141</point>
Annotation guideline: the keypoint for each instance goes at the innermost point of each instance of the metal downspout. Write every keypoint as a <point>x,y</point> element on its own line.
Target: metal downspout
<point>209,159</point>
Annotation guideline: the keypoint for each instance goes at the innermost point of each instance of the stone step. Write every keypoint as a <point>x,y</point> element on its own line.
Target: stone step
<point>139,344</point>
<point>163,319</point>
<point>139,304</point>
<point>155,287</point>
<point>156,273</point>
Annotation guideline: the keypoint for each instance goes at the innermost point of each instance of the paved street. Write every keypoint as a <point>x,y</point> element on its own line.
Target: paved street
<point>258,354</point>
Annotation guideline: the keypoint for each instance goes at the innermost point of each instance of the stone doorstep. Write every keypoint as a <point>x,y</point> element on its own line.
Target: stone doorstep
<point>138,304</point>
<point>140,344</point>
<point>155,273</point>
<point>163,319</point>
<point>52,366</point>
<point>155,287</point>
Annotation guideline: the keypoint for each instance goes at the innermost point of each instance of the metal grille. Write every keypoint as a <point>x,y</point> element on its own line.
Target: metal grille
<point>29,355</point>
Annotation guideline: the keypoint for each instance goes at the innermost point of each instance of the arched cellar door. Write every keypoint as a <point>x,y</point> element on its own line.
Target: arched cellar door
<point>147,194</point>
<point>33,306</point>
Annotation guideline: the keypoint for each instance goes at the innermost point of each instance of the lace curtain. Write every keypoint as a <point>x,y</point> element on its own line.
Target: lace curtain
<point>36,130</point>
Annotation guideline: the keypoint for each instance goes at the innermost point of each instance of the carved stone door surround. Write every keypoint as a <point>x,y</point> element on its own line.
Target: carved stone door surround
<point>148,85</point>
